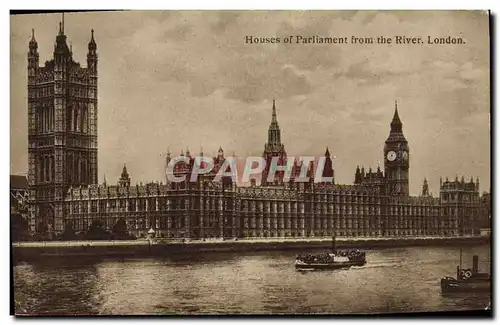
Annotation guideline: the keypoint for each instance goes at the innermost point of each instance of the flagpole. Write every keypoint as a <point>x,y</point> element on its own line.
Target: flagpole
<point>460,257</point>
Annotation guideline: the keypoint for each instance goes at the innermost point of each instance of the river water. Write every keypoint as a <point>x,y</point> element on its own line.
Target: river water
<point>393,280</point>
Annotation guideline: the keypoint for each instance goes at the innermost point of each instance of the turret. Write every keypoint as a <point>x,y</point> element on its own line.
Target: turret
<point>33,56</point>
<point>425,188</point>
<point>92,54</point>
<point>328,167</point>
<point>357,176</point>
<point>327,153</point>
<point>168,158</point>
<point>124,178</point>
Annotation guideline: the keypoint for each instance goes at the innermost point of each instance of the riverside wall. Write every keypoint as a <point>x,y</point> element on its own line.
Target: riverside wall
<point>145,248</point>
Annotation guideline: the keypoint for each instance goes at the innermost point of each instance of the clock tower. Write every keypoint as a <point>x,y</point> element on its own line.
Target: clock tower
<point>397,159</point>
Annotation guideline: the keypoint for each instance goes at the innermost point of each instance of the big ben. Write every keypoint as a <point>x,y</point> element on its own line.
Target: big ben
<point>397,159</point>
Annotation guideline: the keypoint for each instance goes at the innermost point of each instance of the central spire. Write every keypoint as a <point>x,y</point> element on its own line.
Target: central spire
<point>274,133</point>
<point>61,25</point>
<point>274,119</point>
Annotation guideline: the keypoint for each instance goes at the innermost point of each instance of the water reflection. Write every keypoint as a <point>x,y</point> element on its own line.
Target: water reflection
<point>57,289</point>
<point>394,280</point>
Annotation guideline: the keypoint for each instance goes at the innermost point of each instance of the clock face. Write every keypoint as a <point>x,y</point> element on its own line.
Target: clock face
<point>391,156</point>
<point>405,155</point>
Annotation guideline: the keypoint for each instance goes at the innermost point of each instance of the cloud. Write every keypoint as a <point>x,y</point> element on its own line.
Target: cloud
<point>187,78</point>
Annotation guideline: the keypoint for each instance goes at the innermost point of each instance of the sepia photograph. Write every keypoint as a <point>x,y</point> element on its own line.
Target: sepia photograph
<point>252,162</point>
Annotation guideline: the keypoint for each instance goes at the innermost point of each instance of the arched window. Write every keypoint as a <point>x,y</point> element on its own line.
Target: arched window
<point>38,169</point>
<point>38,121</point>
<point>46,122</point>
<point>81,117</point>
<point>69,117</point>
<point>84,171</point>
<point>76,119</point>
<point>53,171</point>
<point>49,168</point>
<point>75,169</point>
<point>79,170</point>
<point>85,127</point>
<point>42,174</point>
<point>52,118</point>
<point>42,113</point>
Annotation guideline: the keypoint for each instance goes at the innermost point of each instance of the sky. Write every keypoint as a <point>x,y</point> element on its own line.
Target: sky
<point>171,80</point>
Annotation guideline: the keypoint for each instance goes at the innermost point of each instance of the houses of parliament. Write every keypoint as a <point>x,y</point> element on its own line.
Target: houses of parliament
<point>64,191</point>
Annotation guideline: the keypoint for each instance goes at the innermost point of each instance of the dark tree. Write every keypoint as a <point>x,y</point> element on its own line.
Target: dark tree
<point>97,231</point>
<point>20,228</point>
<point>41,231</point>
<point>120,229</point>
<point>69,232</point>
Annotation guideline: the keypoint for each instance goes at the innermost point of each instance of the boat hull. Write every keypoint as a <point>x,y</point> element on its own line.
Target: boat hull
<point>465,286</point>
<point>329,266</point>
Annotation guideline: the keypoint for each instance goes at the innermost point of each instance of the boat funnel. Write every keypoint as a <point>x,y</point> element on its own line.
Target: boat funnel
<point>475,264</point>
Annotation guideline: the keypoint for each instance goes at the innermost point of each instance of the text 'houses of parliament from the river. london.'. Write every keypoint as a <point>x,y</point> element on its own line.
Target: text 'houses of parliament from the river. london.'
<point>64,192</point>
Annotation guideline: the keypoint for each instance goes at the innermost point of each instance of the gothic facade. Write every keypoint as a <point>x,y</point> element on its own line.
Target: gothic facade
<point>374,206</point>
<point>62,105</point>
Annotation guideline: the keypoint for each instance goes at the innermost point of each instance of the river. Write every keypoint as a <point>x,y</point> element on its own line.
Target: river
<point>393,280</point>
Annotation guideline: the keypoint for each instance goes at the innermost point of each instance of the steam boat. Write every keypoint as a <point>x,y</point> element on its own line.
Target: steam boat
<point>332,260</point>
<point>467,280</point>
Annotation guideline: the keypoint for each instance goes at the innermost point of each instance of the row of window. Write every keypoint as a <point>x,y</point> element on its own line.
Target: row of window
<point>44,169</point>
<point>45,193</point>
<point>44,92</point>
<point>332,198</point>
<point>43,77</point>
<point>413,210</point>
<point>456,196</point>
<point>83,224</point>
<point>164,204</point>
<point>44,119</point>
<point>78,119</point>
